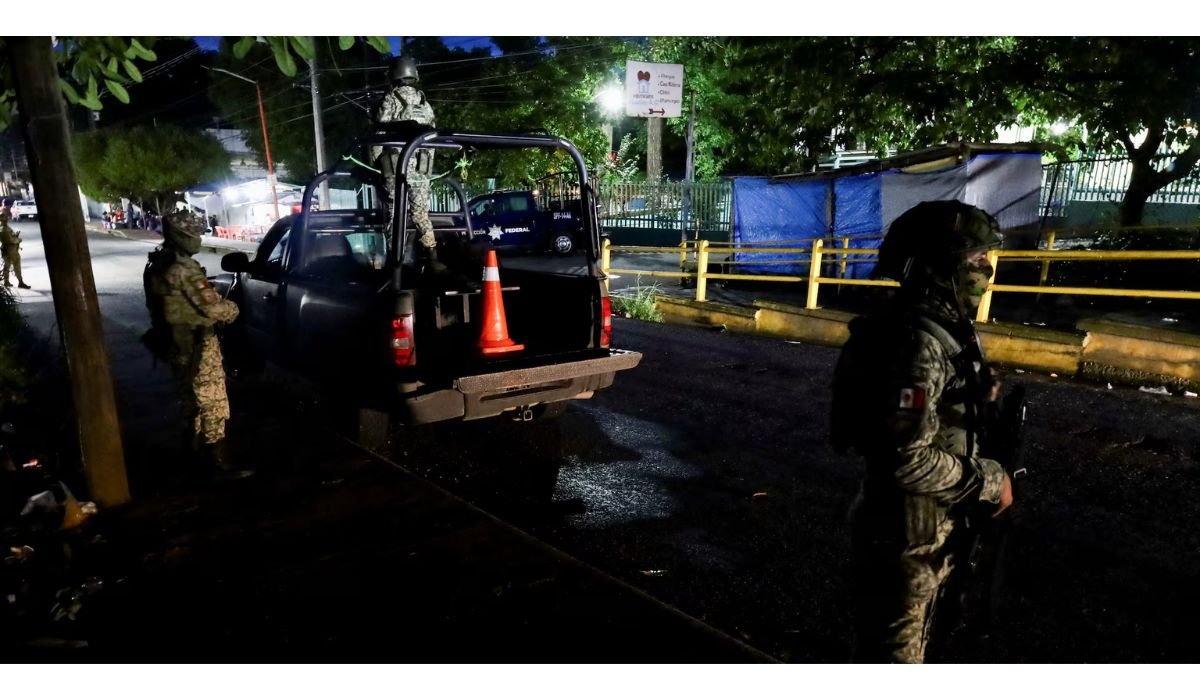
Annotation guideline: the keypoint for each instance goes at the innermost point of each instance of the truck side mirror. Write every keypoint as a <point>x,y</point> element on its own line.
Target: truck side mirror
<point>235,262</point>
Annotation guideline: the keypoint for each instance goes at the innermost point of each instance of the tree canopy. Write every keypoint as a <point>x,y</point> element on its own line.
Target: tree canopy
<point>147,164</point>
<point>1134,95</point>
<point>764,105</point>
<point>776,105</point>
<point>530,84</point>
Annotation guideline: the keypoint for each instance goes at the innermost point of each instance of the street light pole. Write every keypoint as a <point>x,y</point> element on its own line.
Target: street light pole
<point>318,127</point>
<point>266,142</point>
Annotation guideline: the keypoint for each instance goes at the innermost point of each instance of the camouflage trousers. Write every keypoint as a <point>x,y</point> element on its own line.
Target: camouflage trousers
<point>897,587</point>
<point>419,190</point>
<point>12,262</point>
<point>418,204</point>
<point>200,382</point>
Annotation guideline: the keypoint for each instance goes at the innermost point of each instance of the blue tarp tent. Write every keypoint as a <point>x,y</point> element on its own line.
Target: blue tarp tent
<point>860,203</point>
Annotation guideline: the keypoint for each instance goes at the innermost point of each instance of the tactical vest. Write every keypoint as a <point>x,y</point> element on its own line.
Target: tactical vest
<point>859,407</point>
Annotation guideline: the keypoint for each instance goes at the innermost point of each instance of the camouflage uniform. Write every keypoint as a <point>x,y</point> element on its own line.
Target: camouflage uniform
<point>184,308</point>
<point>906,390</point>
<point>407,103</point>
<point>10,248</point>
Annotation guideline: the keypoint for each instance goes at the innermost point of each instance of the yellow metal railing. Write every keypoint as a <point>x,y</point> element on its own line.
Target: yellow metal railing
<point>816,255</point>
<point>1046,256</point>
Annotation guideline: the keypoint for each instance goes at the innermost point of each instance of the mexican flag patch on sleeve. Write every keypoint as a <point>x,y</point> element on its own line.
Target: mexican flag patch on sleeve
<point>912,397</point>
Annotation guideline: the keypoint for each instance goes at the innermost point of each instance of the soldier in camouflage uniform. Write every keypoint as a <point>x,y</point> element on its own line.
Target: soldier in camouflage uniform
<point>908,386</point>
<point>404,102</point>
<point>184,310</point>
<point>10,248</point>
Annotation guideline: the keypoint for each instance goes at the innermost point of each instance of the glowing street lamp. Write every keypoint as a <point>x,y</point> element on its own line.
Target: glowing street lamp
<point>612,101</point>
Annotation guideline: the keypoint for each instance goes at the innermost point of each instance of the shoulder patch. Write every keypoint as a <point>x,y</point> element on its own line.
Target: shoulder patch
<point>912,397</point>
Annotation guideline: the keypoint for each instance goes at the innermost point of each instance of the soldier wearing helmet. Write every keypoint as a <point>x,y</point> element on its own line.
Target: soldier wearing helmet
<point>10,249</point>
<point>184,310</point>
<point>909,385</point>
<point>405,103</point>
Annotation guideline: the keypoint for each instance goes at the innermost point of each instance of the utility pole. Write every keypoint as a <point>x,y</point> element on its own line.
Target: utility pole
<point>318,125</point>
<point>654,150</point>
<point>48,150</point>
<point>262,115</point>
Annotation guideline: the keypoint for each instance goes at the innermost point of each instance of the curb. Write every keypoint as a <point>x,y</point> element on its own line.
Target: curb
<point>1100,349</point>
<point>205,247</point>
<point>1132,354</point>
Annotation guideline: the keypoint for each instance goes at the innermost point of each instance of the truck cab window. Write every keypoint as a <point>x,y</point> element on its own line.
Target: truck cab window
<point>275,259</point>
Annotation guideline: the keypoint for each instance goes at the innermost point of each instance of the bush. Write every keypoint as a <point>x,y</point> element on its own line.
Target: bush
<point>1133,274</point>
<point>13,377</point>
<point>637,303</point>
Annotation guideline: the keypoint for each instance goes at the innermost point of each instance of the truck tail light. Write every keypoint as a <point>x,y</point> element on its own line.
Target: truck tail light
<point>605,322</point>
<point>404,349</point>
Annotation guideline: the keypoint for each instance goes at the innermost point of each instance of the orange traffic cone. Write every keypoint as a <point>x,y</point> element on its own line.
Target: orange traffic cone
<point>494,338</point>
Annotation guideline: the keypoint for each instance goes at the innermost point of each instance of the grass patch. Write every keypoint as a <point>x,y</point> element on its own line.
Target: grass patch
<point>638,303</point>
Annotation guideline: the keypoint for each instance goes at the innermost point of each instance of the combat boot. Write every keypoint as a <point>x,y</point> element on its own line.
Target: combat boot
<point>434,265</point>
<point>22,285</point>
<point>216,459</point>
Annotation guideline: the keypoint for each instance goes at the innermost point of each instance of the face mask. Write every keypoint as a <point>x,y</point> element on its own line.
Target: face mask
<point>188,245</point>
<point>973,280</point>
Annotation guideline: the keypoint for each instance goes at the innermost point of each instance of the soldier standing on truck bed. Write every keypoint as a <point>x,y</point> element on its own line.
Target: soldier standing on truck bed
<point>404,102</point>
<point>184,310</point>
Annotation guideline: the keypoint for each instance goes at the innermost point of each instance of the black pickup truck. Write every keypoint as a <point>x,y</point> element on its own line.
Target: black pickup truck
<point>339,297</point>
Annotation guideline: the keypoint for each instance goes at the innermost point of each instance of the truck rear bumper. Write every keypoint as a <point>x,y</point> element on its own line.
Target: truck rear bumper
<point>485,395</point>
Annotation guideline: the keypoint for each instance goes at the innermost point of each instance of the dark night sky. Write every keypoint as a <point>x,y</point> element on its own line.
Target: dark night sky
<point>210,43</point>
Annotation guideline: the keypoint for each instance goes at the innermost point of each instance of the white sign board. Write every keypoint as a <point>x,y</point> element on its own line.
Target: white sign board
<point>653,89</point>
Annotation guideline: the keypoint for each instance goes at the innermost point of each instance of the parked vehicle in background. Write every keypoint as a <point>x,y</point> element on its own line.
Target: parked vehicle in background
<point>515,220</point>
<point>24,208</point>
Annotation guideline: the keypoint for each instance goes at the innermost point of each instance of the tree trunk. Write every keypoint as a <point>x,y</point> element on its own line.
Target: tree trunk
<point>1142,184</point>
<point>1145,180</point>
<point>44,122</point>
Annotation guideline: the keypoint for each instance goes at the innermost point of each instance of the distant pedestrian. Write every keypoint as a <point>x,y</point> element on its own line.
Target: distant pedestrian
<point>107,221</point>
<point>184,311</point>
<point>10,248</point>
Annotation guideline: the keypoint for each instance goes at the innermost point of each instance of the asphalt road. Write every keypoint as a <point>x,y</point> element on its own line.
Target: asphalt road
<point>704,477</point>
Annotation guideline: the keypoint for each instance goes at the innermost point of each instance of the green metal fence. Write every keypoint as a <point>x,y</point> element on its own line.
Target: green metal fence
<point>1106,180</point>
<point>655,214</point>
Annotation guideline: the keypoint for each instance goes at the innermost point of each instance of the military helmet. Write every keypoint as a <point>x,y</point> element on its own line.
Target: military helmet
<point>935,236</point>
<point>182,230</point>
<point>403,70</point>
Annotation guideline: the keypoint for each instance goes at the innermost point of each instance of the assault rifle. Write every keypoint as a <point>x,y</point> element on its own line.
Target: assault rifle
<point>978,580</point>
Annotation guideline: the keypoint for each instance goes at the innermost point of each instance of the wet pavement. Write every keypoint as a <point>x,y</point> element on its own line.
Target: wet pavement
<point>328,553</point>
